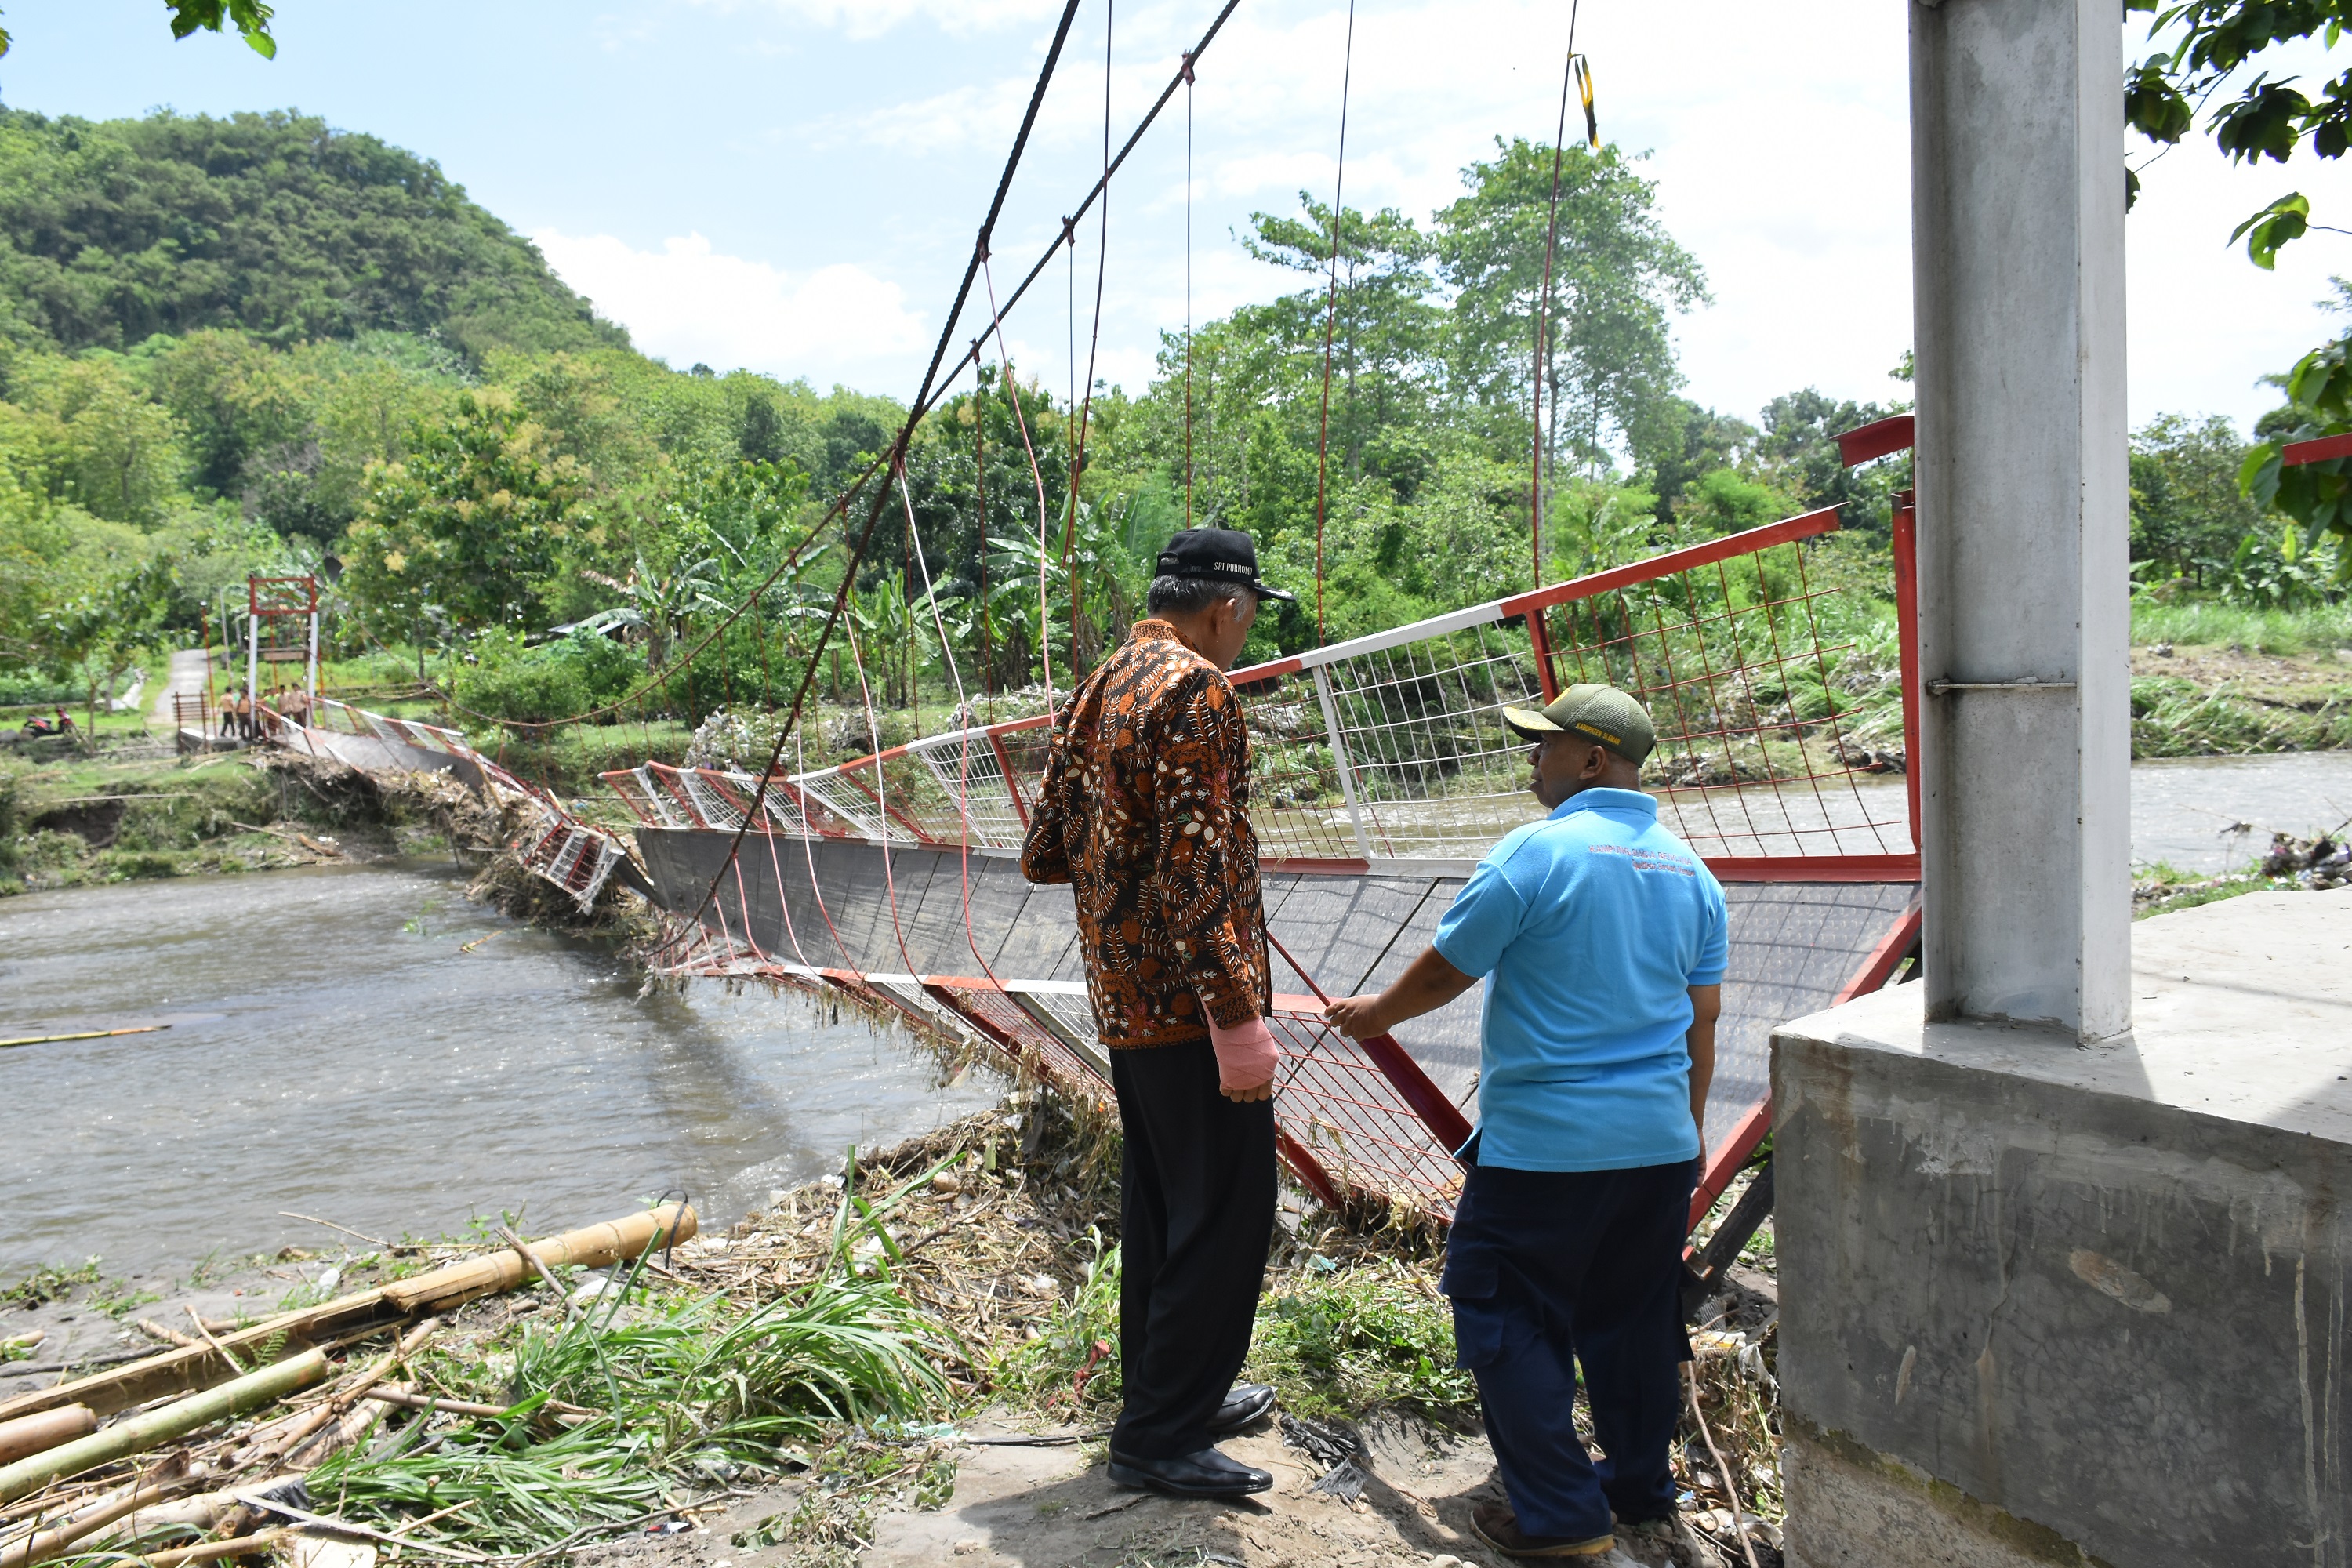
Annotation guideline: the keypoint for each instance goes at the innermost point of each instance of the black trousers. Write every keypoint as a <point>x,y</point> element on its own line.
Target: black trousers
<point>1196,1210</point>
<point>1551,1269</point>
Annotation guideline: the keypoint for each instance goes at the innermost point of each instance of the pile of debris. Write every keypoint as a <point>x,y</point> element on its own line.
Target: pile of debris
<point>2318,863</point>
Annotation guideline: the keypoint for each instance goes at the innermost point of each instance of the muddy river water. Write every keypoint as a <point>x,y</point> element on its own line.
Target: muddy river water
<point>336,1050</point>
<point>339,1049</point>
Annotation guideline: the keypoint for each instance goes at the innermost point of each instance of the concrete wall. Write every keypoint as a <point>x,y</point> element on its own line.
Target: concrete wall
<point>2049,1303</point>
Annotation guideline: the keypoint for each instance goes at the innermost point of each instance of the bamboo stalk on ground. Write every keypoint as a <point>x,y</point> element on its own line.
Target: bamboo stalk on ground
<point>213,1550</point>
<point>28,1435</point>
<point>193,1367</point>
<point>176,1419</point>
<point>46,1543</point>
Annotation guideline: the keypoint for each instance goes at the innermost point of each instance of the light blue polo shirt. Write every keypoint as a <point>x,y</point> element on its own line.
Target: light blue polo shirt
<point>1591,927</point>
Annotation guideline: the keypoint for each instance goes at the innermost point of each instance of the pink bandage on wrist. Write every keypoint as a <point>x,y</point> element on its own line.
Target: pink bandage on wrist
<point>1245,1054</point>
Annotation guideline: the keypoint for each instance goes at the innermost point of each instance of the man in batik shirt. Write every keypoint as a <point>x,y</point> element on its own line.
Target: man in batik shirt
<point>1144,811</point>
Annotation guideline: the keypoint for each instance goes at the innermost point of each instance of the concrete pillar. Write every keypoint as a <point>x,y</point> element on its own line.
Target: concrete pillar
<point>2017,160</point>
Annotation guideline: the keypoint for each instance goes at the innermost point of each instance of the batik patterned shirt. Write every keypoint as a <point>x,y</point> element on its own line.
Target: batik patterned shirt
<point>1144,811</point>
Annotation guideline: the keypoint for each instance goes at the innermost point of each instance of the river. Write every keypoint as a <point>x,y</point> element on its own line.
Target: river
<point>336,1050</point>
<point>365,1045</point>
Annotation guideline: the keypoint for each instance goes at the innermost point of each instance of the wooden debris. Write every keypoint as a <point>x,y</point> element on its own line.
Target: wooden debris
<point>170,1336</point>
<point>595,1247</point>
<point>82,1035</point>
<point>214,1550</point>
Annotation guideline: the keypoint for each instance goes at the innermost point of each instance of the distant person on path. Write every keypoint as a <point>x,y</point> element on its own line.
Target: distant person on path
<point>1144,810</point>
<point>1605,939</point>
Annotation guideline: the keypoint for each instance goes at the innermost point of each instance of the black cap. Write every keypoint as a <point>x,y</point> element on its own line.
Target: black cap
<point>1220,555</point>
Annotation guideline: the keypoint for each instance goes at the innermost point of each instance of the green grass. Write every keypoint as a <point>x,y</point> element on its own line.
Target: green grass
<point>50,1282</point>
<point>2174,718</point>
<point>2206,624</point>
<point>688,1392</point>
<point>2162,889</point>
<point>1340,1342</point>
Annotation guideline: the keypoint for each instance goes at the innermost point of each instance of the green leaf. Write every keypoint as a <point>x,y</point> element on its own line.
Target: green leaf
<point>2258,477</point>
<point>2285,219</point>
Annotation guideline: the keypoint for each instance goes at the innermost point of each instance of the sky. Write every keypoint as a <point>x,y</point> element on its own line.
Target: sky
<point>792,185</point>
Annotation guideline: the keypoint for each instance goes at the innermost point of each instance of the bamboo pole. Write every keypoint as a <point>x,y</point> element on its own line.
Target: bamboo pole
<point>193,1367</point>
<point>176,1419</point>
<point>212,1550</point>
<point>91,1518</point>
<point>30,1433</point>
<point>593,1247</point>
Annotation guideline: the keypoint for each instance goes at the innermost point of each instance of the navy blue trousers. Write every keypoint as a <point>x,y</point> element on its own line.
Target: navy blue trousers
<point>1549,1269</point>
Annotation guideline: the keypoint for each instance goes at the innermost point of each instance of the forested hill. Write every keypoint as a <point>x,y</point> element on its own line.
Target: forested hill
<point>111,231</point>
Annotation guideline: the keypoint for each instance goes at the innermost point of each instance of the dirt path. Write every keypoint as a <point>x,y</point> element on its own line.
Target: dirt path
<point>186,679</point>
<point>1016,1507</point>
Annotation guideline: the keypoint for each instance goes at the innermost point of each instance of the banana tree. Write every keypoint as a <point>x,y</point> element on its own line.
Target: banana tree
<point>661,603</point>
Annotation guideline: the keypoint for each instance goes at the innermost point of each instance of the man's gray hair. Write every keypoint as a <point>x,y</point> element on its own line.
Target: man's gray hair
<point>1187,595</point>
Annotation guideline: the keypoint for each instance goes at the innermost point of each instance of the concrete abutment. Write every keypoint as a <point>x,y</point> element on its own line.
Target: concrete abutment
<point>2046,1302</point>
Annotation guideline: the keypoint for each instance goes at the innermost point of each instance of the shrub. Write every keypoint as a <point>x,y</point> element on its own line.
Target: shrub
<point>555,681</point>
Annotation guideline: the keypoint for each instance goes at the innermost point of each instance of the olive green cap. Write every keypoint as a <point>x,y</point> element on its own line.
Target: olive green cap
<point>1609,716</point>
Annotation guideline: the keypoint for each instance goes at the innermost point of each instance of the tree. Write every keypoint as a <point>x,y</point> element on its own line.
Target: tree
<point>2250,118</point>
<point>2188,514</point>
<point>250,17</point>
<point>113,230</point>
<point>94,637</point>
<point>2318,403</point>
<point>468,524</point>
<point>1617,279</point>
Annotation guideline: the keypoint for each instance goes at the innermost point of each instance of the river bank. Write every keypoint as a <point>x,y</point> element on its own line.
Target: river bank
<point>908,1361</point>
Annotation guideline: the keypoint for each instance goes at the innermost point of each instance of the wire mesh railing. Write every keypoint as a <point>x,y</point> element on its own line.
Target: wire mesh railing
<point>1392,747</point>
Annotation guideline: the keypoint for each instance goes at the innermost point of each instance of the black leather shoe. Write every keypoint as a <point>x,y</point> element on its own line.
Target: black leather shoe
<point>1244,1407</point>
<point>1206,1473</point>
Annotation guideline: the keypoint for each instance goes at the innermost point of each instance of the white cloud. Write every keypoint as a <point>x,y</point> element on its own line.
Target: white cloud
<point>687,303</point>
<point>1781,152</point>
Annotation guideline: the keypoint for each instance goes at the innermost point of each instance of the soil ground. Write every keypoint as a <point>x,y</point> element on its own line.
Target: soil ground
<point>2293,681</point>
<point>1055,1507</point>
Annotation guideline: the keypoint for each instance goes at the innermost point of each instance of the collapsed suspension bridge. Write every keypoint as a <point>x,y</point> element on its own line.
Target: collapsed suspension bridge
<point>1381,771</point>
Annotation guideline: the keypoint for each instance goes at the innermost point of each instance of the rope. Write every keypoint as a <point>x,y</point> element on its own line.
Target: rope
<point>980,494</point>
<point>1021,419</point>
<point>1543,309</point>
<point>1332,313</point>
<point>963,756</point>
<point>881,787</point>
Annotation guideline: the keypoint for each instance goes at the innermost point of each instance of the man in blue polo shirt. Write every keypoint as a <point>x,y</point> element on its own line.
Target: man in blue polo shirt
<point>1605,939</point>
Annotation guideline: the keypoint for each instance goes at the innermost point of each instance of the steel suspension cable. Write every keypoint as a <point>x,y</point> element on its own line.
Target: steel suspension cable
<point>1332,313</point>
<point>1187,290</point>
<point>1127,147</point>
<point>1094,346</point>
<point>898,451</point>
<point>1543,309</point>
